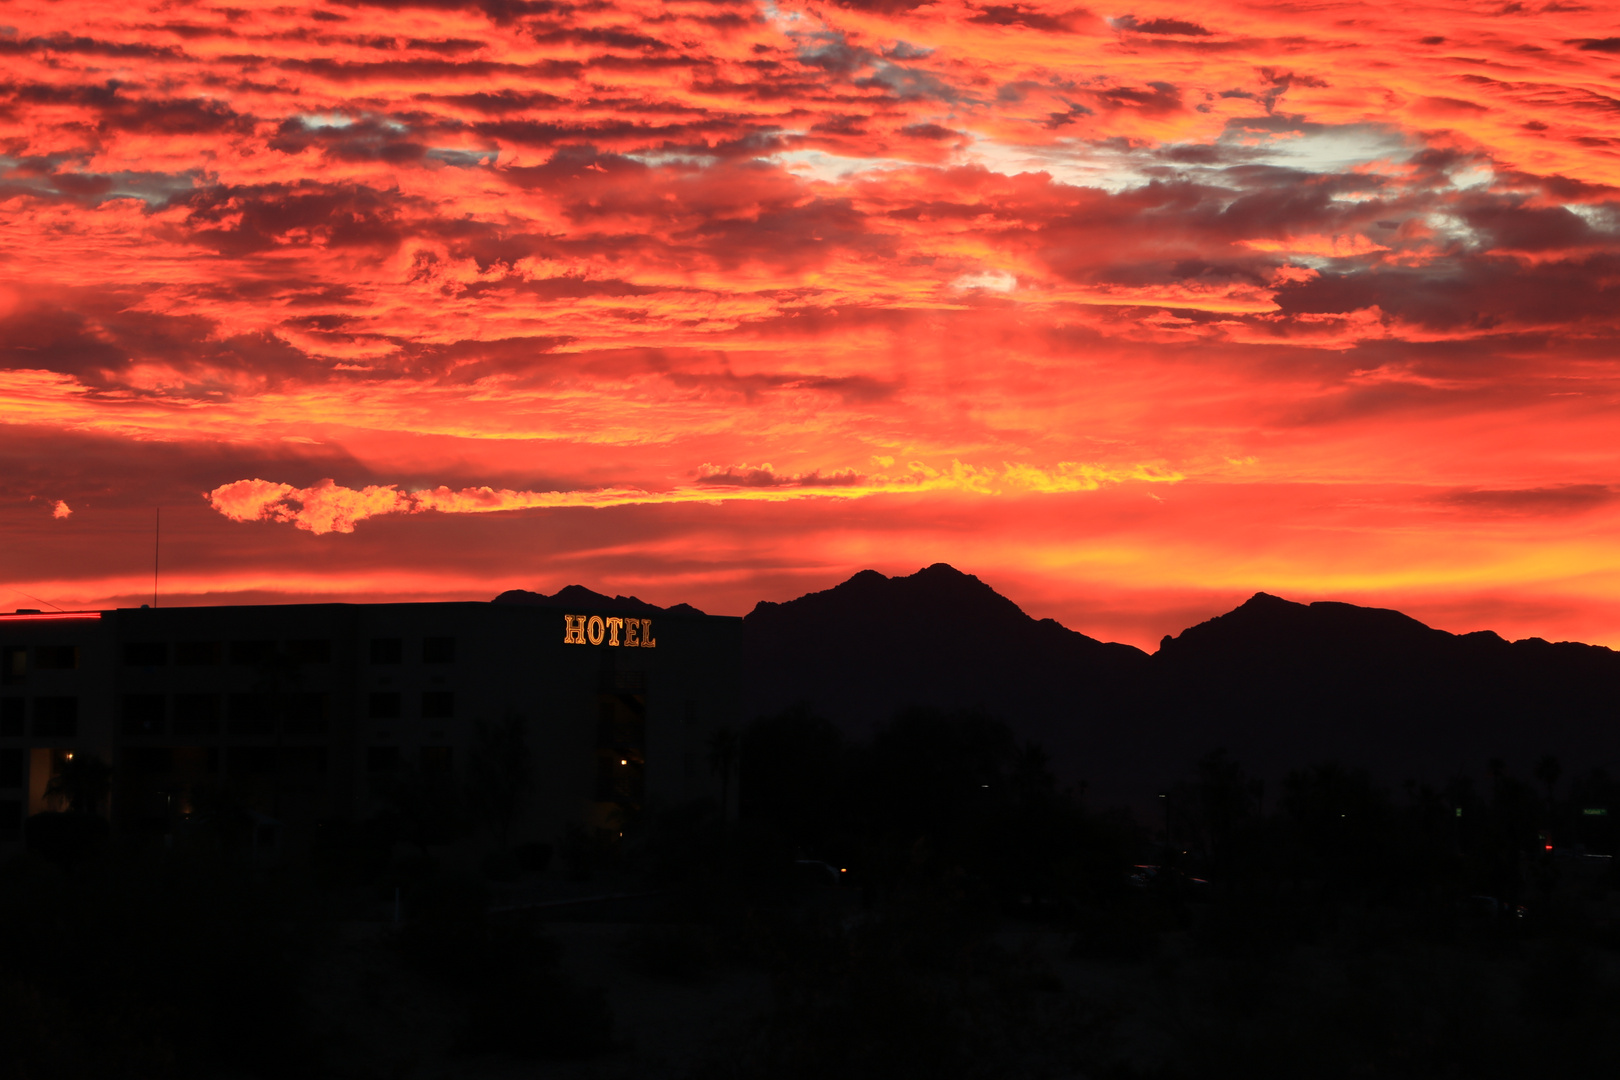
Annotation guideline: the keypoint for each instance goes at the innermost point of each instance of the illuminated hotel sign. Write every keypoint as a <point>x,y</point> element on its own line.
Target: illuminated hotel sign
<point>591,630</point>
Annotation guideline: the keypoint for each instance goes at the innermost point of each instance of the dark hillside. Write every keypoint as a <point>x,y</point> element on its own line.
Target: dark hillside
<point>1280,683</point>
<point>861,650</point>
<point>578,596</point>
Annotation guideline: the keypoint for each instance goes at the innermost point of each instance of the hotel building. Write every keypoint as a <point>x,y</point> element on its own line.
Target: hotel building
<point>303,712</point>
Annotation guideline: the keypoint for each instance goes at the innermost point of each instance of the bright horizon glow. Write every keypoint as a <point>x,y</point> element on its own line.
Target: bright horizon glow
<point>1130,313</point>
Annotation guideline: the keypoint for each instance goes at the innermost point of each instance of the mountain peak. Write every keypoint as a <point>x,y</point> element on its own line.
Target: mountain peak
<point>578,596</point>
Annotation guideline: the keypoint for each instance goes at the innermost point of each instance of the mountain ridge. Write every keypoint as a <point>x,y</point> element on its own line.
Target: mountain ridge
<point>1276,683</point>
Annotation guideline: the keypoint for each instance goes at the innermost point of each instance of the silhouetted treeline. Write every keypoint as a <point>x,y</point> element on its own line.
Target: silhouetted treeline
<point>926,901</point>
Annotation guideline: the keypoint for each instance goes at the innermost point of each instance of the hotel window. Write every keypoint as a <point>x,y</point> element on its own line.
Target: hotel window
<point>55,716</point>
<point>382,759</point>
<point>196,714</point>
<point>13,664</point>
<point>143,714</point>
<point>11,768</point>
<point>249,714</point>
<point>304,760</point>
<point>145,654</point>
<point>252,652</point>
<point>384,706</point>
<point>197,653</point>
<point>437,763</point>
<point>310,651</point>
<point>57,657</point>
<point>439,650</point>
<point>438,705</point>
<point>10,818</point>
<point>387,650</point>
<point>306,714</point>
<point>251,761</point>
<point>149,760</point>
<point>11,718</point>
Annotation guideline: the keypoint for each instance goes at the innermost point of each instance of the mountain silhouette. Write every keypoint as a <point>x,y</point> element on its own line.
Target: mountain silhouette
<point>578,597</point>
<point>1278,684</point>
<point>1281,684</point>
<point>858,652</point>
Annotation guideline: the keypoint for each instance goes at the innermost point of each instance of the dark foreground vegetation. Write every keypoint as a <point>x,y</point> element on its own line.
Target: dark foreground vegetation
<point>924,904</point>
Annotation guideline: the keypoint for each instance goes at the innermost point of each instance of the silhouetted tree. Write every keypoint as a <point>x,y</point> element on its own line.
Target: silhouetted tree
<point>723,746</point>
<point>1548,771</point>
<point>796,765</point>
<point>83,782</point>
<point>499,773</point>
<point>425,809</point>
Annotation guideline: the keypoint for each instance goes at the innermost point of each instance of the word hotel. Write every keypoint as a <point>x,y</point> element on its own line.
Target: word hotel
<point>578,629</point>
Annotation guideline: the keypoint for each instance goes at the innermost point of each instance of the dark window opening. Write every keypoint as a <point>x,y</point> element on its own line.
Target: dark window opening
<point>149,760</point>
<point>145,654</point>
<point>438,705</point>
<point>56,716</point>
<point>11,768</point>
<point>249,714</point>
<point>252,652</point>
<point>310,651</point>
<point>384,706</point>
<point>11,718</point>
<point>306,714</point>
<point>437,762</point>
<point>10,819</point>
<point>382,759</point>
<point>251,761</point>
<point>57,657</point>
<point>197,653</point>
<point>439,650</point>
<point>143,714</point>
<point>304,760</point>
<point>387,650</point>
<point>13,664</point>
<point>196,714</point>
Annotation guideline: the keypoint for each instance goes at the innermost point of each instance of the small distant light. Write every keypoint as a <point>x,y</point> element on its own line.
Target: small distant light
<point>622,761</point>
<point>843,869</point>
<point>1459,811</point>
<point>984,785</point>
<point>70,755</point>
<point>1341,815</point>
<point>1547,847</point>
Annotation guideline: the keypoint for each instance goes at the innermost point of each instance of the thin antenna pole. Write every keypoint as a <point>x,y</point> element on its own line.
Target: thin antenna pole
<point>157,538</point>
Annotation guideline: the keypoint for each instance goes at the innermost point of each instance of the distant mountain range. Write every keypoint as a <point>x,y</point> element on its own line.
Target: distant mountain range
<point>1275,683</point>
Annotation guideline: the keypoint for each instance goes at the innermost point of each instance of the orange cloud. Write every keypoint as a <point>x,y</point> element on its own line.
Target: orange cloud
<point>330,507</point>
<point>929,259</point>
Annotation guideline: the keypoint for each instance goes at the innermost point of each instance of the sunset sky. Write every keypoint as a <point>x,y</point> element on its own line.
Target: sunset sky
<point>1131,311</point>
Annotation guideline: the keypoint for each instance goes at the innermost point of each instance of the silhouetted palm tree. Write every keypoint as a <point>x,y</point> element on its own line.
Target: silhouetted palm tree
<point>723,759</point>
<point>498,772</point>
<point>84,781</point>
<point>1548,771</point>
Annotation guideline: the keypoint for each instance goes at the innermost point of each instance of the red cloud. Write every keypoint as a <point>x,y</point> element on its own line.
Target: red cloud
<point>509,255</point>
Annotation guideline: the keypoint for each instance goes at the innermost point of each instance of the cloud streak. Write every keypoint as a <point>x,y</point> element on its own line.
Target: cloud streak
<point>328,507</point>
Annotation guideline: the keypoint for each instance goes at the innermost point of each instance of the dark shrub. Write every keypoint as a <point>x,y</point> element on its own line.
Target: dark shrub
<point>65,839</point>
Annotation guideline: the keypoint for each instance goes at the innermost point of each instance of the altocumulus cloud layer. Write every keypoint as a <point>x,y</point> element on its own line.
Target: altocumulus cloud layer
<point>1129,308</point>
